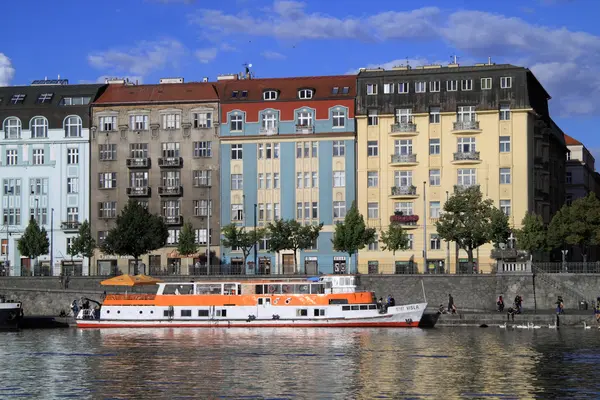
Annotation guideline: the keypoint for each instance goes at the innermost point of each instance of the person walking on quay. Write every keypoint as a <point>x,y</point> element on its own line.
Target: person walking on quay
<point>519,303</point>
<point>500,303</point>
<point>560,305</point>
<point>451,304</point>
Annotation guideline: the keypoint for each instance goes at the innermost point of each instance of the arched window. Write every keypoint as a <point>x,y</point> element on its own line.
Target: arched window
<point>305,94</point>
<point>12,128</point>
<point>73,126</point>
<point>270,95</point>
<point>39,127</point>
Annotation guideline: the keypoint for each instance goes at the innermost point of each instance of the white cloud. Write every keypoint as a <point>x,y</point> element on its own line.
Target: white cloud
<point>143,58</point>
<point>227,47</point>
<point>272,55</point>
<point>206,55</point>
<point>7,71</point>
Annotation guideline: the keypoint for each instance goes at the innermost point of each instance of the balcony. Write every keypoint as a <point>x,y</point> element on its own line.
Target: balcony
<point>143,191</point>
<point>177,220</point>
<point>399,192</point>
<point>170,190</point>
<point>170,162</point>
<point>462,188</point>
<point>305,129</point>
<point>466,127</point>
<point>269,131</point>
<point>403,159</point>
<point>138,162</point>
<point>467,157</point>
<point>70,226</point>
<point>407,221</point>
<point>403,129</point>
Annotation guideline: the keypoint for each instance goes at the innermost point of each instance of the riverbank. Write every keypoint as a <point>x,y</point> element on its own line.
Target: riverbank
<point>494,319</point>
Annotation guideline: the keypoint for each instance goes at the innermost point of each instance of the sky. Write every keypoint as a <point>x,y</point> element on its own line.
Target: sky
<point>145,40</point>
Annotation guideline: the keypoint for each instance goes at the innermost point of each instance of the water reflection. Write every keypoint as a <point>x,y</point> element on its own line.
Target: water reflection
<point>300,363</point>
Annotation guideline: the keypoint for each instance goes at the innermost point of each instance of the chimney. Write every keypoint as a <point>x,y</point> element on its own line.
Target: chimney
<point>205,79</point>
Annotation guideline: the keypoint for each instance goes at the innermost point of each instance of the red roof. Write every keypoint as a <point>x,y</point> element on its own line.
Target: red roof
<point>165,93</point>
<point>571,141</point>
<point>287,88</point>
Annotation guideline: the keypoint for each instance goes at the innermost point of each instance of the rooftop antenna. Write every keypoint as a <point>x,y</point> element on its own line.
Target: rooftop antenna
<point>247,67</point>
<point>454,59</point>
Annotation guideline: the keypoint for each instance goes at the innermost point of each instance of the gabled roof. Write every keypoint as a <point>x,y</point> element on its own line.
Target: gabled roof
<point>287,88</point>
<point>571,141</point>
<point>162,93</point>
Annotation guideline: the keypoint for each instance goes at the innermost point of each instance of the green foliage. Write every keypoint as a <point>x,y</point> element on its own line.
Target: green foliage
<point>34,241</point>
<point>84,244</point>
<point>137,232</point>
<point>240,238</point>
<point>499,229</point>
<point>352,234</point>
<point>533,235</point>
<point>394,239</point>
<point>187,240</point>
<point>291,235</point>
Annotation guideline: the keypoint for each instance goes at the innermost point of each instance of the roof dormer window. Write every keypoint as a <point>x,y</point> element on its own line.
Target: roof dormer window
<point>345,90</point>
<point>234,94</point>
<point>304,94</point>
<point>17,99</point>
<point>244,94</point>
<point>270,95</point>
<point>45,98</point>
<point>335,90</point>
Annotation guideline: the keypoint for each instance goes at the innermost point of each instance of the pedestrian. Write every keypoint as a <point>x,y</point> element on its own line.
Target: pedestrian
<point>451,304</point>
<point>560,305</point>
<point>392,301</point>
<point>380,303</point>
<point>597,310</point>
<point>511,313</point>
<point>500,303</point>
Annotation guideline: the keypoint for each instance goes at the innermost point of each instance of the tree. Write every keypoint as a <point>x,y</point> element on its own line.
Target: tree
<point>467,220</point>
<point>187,241</point>
<point>234,237</point>
<point>394,239</point>
<point>291,235</point>
<point>84,244</point>
<point>352,234</point>
<point>499,228</point>
<point>34,241</point>
<point>533,235</point>
<point>137,232</point>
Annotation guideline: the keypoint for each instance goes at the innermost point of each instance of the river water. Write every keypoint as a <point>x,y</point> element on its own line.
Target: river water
<point>300,363</point>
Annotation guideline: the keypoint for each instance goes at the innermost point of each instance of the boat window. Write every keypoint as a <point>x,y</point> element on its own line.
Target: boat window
<point>208,288</point>
<point>259,289</point>
<point>338,301</point>
<point>345,308</point>
<point>166,313</point>
<point>304,289</point>
<point>364,307</point>
<point>186,313</point>
<point>319,312</point>
<point>267,300</point>
<point>179,289</point>
<point>355,307</point>
<point>373,307</point>
<point>221,313</point>
<point>273,289</point>
<point>301,312</point>
<point>287,289</point>
<point>260,301</point>
<point>230,289</point>
<point>203,313</point>
<point>317,288</point>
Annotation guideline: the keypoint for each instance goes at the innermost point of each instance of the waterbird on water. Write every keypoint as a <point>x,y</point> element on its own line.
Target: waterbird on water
<point>552,326</point>
<point>503,326</point>
<point>530,325</point>
<point>585,326</point>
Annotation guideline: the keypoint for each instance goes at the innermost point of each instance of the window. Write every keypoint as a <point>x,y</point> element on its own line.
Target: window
<point>486,83</point>
<point>261,180</point>
<point>107,209</point>
<point>269,120</point>
<point>261,151</point>
<point>339,119</point>
<point>388,88</point>
<point>237,212</point>
<point>345,90</point>
<point>466,144</point>
<point>374,245</point>
<point>72,185</point>
<point>568,155</point>
<point>299,180</point>
<point>202,208</point>
<point>170,208</point>
<point>73,214</point>
<point>12,128</point>
<point>466,114</point>
<point>170,149</point>
<point>403,178</point>
<point>170,178</point>
<point>107,180</point>
<point>339,178</point>
<point>434,241</point>
<point>305,94</point>
<point>373,210</point>
<point>435,86</point>
<point>504,176</point>
<point>372,178</point>
<point>17,99</point>
<point>339,148</point>
<point>435,177</point>
<point>372,117</point>
<point>304,118</point>
<point>315,180</point>
<point>39,127</point>
<point>434,146</point>
<point>339,209</point>
<point>138,179</point>
<point>171,121</point>
<point>411,241</point>
<point>73,126</point>
<point>434,115</point>
<point>451,86</point>
<point>12,187</point>
<point>298,210</point>
<point>420,87</point>
<point>403,147</point>
<point>276,211</point>
<point>275,150</point>
<point>270,95</point>
<point>244,94</point>
<point>434,209</point>
<point>12,157</point>
<point>371,89</point>
<point>38,156</point>
<point>269,211</point>
<point>237,182</point>
<point>75,101</point>
<point>504,144</point>
<point>569,178</point>
<point>261,212</point>
<point>466,84</point>
<point>202,149</point>
<point>236,151</point>
<point>402,87</point>
<point>505,207</point>
<point>301,312</point>
<point>72,156</point>
<point>202,120</point>
<point>102,237</point>
<point>372,148</point>
<point>404,116</point>
<point>268,179</point>
<point>568,199</point>
<point>38,186</point>
<point>173,237</point>
<point>39,214</point>
<point>108,152</point>
<point>505,82</point>
<point>315,210</point>
<point>467,177</point>
<point>202,178</point>
<point>12,216</point>
<point>138,150</point>
<point>335,90</point>
<point>276,179</point>
<point>108,123</point>
<point>404,207</point>
<point>504,112</point>
<point>236,123</point>
<point>201,236</point>
<point>45,98</point>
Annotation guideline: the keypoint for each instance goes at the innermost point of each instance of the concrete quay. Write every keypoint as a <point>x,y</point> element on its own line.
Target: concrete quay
<point>493,320</point>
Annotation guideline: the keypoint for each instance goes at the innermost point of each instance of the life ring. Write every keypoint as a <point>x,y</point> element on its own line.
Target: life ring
<point>288,300</point>
<point>276,300</point>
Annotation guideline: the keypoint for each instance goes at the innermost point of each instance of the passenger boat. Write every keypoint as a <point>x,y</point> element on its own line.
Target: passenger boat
<point>327,301</point>
<point>11,313</point>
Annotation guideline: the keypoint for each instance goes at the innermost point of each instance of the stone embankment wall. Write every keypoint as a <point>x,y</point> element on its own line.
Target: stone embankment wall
<point>45,296</point>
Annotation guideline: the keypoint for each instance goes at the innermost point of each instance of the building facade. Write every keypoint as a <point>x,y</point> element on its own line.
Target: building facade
<point>158,145</point>
<point>581,176</point>
<point>44,155</point>
<point>427,132</point>
<point>287,151</point>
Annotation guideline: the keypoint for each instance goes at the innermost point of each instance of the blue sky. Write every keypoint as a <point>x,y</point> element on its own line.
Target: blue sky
<point>87,40</point>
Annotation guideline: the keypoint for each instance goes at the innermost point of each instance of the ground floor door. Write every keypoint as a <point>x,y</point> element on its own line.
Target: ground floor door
<point>288,264</point>
<point>25,266</point>
<point>311,267</point>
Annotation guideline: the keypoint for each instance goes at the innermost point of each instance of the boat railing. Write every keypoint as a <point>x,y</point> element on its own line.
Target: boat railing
<point>137,296</point>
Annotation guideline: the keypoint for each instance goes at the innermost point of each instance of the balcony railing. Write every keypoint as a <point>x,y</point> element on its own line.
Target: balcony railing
<point>271,130</point>
<point>404,190</point>
<point>461,188</point>
<point>403,158</point>
<point>466,156</point>
<point>466,126</point>
<point>177,220</point>
<point>170,190</point>
<point>305,129</point>
<point>174,162</point>
<point>70,225</point>
<point>143,191</point>
<point>138,162</point>
<point>404,127</point>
